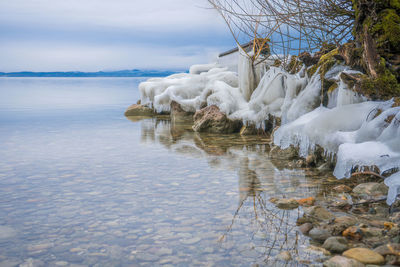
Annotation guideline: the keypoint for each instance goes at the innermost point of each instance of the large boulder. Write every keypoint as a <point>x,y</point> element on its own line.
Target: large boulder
<point>139,110</point>
<point>210,119</point>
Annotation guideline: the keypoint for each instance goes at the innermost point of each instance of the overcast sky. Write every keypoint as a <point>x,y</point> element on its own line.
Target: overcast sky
<point>91,35</point>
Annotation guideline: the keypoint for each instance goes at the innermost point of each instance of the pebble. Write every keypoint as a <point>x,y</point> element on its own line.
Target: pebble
<point>287,204</point>
<point>284,256</point>
<point>364,255</point>
<point>305,228</point>
<point>335,244</point>
<point>340,261</point>
<point>319,234</point>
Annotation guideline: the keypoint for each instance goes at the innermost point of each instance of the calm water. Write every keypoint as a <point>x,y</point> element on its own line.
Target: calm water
<point>81,185</point>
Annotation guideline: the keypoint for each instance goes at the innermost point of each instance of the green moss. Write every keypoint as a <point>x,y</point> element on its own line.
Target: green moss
<point>395,4</point>
<point>387,29</point>
<point>383,87</point>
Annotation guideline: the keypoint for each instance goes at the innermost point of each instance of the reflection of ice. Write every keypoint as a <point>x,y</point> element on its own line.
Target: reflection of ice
<point>271,230</point>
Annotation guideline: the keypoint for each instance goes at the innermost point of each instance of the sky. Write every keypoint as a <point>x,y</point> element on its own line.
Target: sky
<point>93,35</point>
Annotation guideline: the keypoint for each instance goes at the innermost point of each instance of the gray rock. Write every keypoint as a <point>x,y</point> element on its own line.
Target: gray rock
<point>287,204</point>
<point>211,119</point>
<point>335,244</point>
<point>305,228</point>
<point>319,234</point>
<point>374,189</point>
<point>288,153</point>
<point>339,261</point>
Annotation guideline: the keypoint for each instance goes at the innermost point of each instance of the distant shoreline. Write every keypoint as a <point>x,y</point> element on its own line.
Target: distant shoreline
<point>76,74</point>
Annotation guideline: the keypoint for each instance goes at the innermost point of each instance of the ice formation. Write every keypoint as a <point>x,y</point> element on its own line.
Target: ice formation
<point>358,132</point>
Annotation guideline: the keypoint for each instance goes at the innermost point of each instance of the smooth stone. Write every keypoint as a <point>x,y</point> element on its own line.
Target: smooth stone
<point>388,249</point>
<point>319,250</point>
<point>305,228</point>
<point>374,189</point>
<point>340,261</point>
<point>364,255</point>
<point>288,153</point>
<point>319,213</point>
<point>335,244</point>
<point>287,204</point>
<point>319,234</point>
<point>342,189</point>
<point>284,256</point>
<point>139,110</point>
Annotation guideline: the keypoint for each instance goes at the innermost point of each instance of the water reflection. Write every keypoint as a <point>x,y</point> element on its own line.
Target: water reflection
<point>256,229</point>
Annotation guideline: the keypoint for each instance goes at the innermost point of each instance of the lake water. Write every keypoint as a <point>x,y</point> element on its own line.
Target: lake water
<point>82,185</point>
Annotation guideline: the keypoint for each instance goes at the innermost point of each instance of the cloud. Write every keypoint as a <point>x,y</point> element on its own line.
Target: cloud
<point>44,35</point>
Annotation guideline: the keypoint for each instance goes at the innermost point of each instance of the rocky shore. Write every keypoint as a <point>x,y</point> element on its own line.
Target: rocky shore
<point>352,226</point>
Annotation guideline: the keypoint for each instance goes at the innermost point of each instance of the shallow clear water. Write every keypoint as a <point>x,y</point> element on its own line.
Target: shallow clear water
<point>81,185</point>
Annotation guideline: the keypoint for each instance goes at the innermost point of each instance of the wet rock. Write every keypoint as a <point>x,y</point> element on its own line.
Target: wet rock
<point>211,119</point>
<point>311,160</point>
<point>372,232</point>
<point>286,204</point>
<point>139,110</point>
<point>319,249</point>
<point>249,130</point>
<point>284,256</point>
<point>342,223</point>
<point>342,189</point>
<point>353,233</point>
<point>178,114</point>
<point>371,189</point>
<point>335,244</point>
<point>388,249</point>
<point>288,153</point>
<point>309,201</point>
<point>364,255</point>
<point>340,261</point>
<point>319,234</point>
<point>305,228</point>
<point>319,213</point>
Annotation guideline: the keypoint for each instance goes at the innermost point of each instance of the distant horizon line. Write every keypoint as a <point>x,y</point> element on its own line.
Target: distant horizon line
<point>101,73</point>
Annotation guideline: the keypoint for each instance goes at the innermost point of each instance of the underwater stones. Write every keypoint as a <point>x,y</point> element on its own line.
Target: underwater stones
<point>305,228</point>
<point>319,234</point>
<point>364,255</point>
<point>374,189</point>
<point>335,244</point>
<point>309,201</point>
<point>211,119</point>
<point>178,114</point>
<point>139,110</point>
<point>288,153</point>
<point>319,213</point>
<point>340,261</point>
<point>342,189</point>
<point>353,232</point>
<point>286,204</point>
<point>284,256</point>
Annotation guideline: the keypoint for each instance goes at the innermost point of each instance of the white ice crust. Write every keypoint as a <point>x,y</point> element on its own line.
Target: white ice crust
<point>359,132</point>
